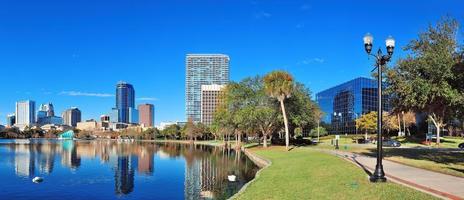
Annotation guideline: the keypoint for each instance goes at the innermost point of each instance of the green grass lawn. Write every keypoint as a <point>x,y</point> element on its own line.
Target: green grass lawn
<point>308,174</point>
<point>444,161</point>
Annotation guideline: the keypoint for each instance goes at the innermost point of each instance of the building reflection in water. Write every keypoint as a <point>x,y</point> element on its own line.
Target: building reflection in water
<point>206,168</point>
<point>124,175</point>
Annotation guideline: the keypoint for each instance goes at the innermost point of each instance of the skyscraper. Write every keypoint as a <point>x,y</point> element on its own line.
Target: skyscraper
<point>146,114</point>
<point>10,120</point>
<point>48,109</point>
<point>209,102</point>
<point>125,99</point>
<point>71,116</point>
<point>25,113</point>
<point>203,69</point>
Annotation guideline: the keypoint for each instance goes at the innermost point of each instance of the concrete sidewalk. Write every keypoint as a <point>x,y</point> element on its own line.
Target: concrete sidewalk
<point>438,184</point>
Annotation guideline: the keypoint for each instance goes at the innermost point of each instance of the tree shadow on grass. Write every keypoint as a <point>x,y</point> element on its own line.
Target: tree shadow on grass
<point>435,155</point>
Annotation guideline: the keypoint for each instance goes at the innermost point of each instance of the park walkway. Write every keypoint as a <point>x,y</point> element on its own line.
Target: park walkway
<point>437,184</point>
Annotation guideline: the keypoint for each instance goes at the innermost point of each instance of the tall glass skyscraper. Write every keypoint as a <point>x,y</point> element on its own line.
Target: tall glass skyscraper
<point>346,102</point>
<point>125,100</point>
<point>202,69</point>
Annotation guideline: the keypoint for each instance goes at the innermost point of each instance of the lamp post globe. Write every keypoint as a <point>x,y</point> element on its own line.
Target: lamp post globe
<point>390,44</point>
<point>368,40</point>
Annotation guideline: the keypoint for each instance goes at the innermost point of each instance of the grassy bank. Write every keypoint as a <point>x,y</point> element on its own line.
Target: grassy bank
<point>307,174</point>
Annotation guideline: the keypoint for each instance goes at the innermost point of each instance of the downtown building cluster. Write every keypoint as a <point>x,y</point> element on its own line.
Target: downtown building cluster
<point>122,116</point>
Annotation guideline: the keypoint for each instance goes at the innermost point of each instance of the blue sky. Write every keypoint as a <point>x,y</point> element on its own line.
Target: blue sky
<point>72,53</point>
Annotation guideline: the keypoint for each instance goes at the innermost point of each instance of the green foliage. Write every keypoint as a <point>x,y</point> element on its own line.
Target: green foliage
<point>298,132</point>
<point>280,85</point>
<point>322,132</point>
<point>248,109</point>
<point>367,122</point>
<point>426,80</point>
<point>171,131</point>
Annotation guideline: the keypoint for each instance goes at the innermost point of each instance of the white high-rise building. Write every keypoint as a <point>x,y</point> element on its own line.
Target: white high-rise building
<point>202,69</point>
<point>25,114</point>
<point>210,95</point>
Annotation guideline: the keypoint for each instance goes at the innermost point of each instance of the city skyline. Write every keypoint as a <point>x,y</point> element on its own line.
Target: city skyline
<point>298,36</point>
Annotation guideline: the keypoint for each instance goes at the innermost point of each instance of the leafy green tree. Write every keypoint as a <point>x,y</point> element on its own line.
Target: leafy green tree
<point>171,131</point>
<point>267,120</point>
<point>280,85</point>
<point>301,109</point>
<point>190,130</point>
<point>318,131</point>
<point>367,122</point>
<point>425,81</point>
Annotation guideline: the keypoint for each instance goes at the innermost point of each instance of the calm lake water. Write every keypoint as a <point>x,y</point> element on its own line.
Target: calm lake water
<point>104,169</point>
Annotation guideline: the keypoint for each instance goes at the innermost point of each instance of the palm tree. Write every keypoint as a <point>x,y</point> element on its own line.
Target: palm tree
<point>279,85</point>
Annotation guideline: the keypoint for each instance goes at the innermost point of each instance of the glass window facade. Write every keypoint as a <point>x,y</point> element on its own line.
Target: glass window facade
<point>125,100</point>
<point>346,102</point>
<point>202,69</point>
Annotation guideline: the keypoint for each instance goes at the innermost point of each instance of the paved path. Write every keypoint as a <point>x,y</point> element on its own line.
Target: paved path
<point>437,184</point>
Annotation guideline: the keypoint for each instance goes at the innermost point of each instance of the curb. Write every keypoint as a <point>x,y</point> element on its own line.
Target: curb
<point>425,189</point>
<point>260,162</point>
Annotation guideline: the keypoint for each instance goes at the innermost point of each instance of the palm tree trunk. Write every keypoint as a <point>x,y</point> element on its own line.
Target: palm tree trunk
<point>265,140</point>
<point>287,139</point>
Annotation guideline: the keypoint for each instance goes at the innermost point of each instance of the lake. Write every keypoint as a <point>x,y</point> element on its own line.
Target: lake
<point>107,169</point>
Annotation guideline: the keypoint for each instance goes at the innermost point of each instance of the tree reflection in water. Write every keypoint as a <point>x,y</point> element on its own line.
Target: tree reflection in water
<point>205,171</point>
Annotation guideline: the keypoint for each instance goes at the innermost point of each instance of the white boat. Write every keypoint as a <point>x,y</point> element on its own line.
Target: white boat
<point>231,178</point>
<point>37,179</point>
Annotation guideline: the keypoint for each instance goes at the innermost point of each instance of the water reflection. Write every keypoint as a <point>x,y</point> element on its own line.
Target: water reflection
<point>204,168</point>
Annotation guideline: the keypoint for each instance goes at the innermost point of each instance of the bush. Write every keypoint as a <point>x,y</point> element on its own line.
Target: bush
<point>322,132</point>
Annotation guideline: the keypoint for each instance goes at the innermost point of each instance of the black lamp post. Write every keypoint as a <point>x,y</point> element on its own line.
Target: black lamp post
<point>381,60</point>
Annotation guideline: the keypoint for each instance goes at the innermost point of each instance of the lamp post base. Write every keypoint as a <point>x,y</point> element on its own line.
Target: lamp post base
<point>378,176</point>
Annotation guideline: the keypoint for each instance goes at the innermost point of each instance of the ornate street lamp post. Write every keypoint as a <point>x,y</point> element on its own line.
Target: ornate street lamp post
<point>381,61</point>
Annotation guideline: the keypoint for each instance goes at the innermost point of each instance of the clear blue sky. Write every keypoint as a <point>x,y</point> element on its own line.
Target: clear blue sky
<point>72,53</point>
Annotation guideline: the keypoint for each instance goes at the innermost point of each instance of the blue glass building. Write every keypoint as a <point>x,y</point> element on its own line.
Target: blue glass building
<point>125,100</point>
<point>346,102</point>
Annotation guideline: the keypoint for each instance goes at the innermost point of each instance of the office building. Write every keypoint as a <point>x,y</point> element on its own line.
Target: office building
<point>40,117</point>
<point>146,115</point>
<point>25,114</point>
<point>346,102</point>
<point>114,115</point>
<point>10,120</point>
<point>133,116</point>
<point>48,109</point>
<point>125,99</point>
<point>209,102</point>
<point>203,69</point>
<point>71,116</point>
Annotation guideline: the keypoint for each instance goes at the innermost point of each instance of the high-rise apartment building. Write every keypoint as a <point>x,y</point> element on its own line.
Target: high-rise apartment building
<point>71,116</point>
<point>203,69</point>
<point>209,101</point>
<point>25,113</point>
<point>125,99</point>
<point>146,115</point>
